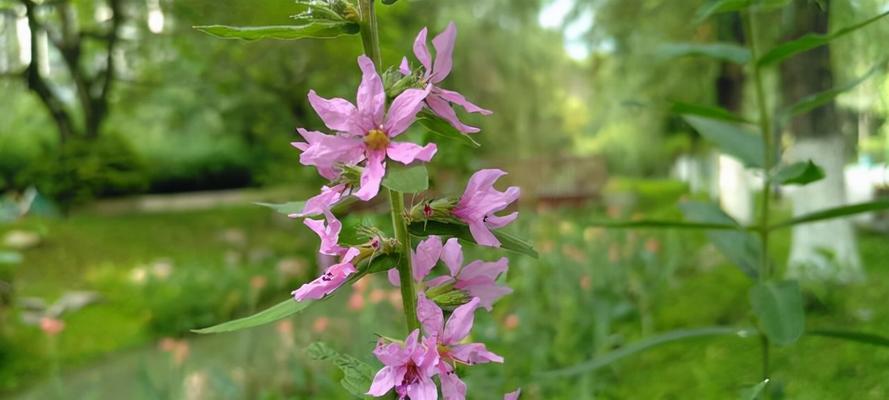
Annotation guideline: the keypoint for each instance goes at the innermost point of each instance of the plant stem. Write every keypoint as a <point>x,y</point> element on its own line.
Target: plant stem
<point>765,126</point>
<point>370,33</point>
<point>405,271</point>
<point>370,37</point>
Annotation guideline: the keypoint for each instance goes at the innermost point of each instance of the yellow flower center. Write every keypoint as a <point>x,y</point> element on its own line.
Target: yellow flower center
<point>376,140</point>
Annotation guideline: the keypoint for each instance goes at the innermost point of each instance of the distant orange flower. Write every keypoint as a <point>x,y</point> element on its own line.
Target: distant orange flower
<point>52,326</point>
<point>320,325</point>
<point>511,322</point>
<point>356,301</point>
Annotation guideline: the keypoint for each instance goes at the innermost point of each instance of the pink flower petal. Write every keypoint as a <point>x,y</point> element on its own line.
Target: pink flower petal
<point>403,111</point>
<point>474,353</point>
<point>499,222</point>
<point>452,256</point>
<point>405,67</point>
<point>338,114</point>
<point>426,256</point>
<point>459,323</point>
<point>421,51</point>
<point>332,279</point>
<point>406,152</point>
<point>394,277</point>
<point>483,235</point>
<point>372,176</point>
<point>443,109</point>
<point>326,152</point>
<point>452,388</point>
<point>383,381</point>
<point>329,232</point>
<point>458,99</point>
<point>322,202</point>
<point>513,395</point>
<point>371,97</point>
<point>430,316</point>
<point>424,389</point>
<point>444,52</point>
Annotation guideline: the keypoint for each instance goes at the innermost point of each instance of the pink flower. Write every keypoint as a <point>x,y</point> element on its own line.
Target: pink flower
<point>329,232</point>
<point>332,279</point>
<point>408,368</point>
<point>51,326</point>
<point>513,395</point>
<point>478,278</point>
<point>364,132</point>
<point>440,100</point>
<point>448,336</point>
<point>322,202</point>
<point>479,203</point>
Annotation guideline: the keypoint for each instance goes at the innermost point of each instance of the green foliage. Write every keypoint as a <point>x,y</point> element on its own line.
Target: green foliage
<point>316,30</point>
<point>712,112</point>
<point>292,207</point>
<point>860,337</point>
<point>275,313</point>
<point>732,139</point>
<point>441,128</point>
<point>798,173</point>
<point>741,248</point>
<point>357,375</point>
<point>718,51</point>
<point>779,308</point>
<point>508,241</point>
<point>406,179</point>
<point>80,170</point>
<point>831,213</point>
<point>810,41</point>
<point>816,100</point>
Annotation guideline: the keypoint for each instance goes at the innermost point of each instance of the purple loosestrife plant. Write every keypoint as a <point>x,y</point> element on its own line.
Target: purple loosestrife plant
<point>360,155</point>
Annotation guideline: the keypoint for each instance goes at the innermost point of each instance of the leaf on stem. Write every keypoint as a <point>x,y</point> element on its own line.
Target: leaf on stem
<point>836,212</point>
<point>439,126</point>
<point>859,337</point>
<point>740,247</point>
<point>816,100</point>
<point>712,112</point>
<point>798,173</point>
<point>317,30</point>
<point>274,313</point>
<point>731,139</point>
<point>292,207</point>
<point>779,308</point>
<point>406,179</point>
<point>810,41</point>
<point>753,393</point>
<point>659,224</point>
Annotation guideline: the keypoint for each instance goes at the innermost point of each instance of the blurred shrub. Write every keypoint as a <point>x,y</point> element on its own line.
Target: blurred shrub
<point>203,162</point>
<point>643,194</point>
<point>80,170</point>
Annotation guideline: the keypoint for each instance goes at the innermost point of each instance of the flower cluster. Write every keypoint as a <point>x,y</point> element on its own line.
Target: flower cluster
<point>353,157</point>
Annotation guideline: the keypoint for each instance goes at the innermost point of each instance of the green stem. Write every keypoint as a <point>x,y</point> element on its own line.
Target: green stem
<point>765,126</point>
<point>406,276</point>
<point>370,37</point>
<point>370,32</point>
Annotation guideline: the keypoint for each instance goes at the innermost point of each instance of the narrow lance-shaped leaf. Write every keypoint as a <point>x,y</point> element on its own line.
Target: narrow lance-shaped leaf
<point>712,112</point>
<point>741,248</point>
<point>274,313</point>
<point>317,30</point>
<point>831,213</point>
<point>659,224</point>
<point>645,344</point>
<point>810,41</point>
<point>731,139</point>
<point>724,6</point>
<point>438,126</point>
<point>753,393</point>
<point>406,179</point>
<point>779,308</point>
<point>292,207</point>
<point>718,51</point>
<point>799,173</point>
<point>508,241</point>
<point>816,100</point>
<point>859,337</point>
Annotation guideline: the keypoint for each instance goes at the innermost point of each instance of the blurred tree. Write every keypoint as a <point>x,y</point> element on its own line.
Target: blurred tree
<point>825,250</point>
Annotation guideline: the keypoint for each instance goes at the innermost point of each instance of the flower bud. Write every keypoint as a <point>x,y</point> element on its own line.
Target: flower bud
<point>345,9</point>
<point>395,82</point>
<point>450,299</point>
<point>433,210</point>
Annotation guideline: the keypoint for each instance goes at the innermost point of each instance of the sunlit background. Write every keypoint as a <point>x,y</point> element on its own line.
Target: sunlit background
<point>132,149</point>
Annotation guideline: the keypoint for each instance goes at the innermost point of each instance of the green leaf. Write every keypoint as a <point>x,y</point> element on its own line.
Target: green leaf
<point>837,212</point>
<point>719,51</point>
<point>798,173</point>
<point>741,248</point>
<point>406,179</point>
<point>357,375</point>
<point>650,223</point>
<point>809,42</point>
<point>318,30</point>
<point>731,139</point>
<point>816,100</point>
<point>292,207</point>
<point>274,313</point>
<point>10,257</point>
<point>711,112</point>
<point>779,308</point>
<point>754,392</point>
<point>860,337</point>
<point>721,6</point>
<point>645,344</point>
<point>380,263</point>
<point>508,241</point>
<point>439,126</point>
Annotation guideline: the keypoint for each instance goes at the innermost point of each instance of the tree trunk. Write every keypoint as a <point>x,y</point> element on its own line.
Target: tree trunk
<point>826,250</point>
